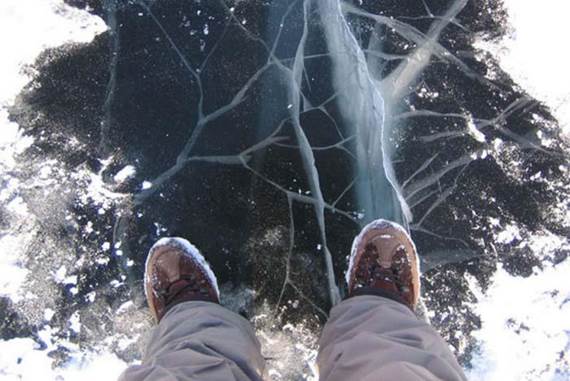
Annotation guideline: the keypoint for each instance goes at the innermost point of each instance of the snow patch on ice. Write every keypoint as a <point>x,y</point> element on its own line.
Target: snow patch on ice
<point>75,322</point>
<point>473,131</point>
<point>534,54</point>
<point>27,28</point>
<point>545,243</point>
<point>124,307</point>
<point>23,359</point>
<point>291,349</point>
<point>525,332</point>
<point>48,314</point>
<point>125,173</point>
<point>97,190</point>
<point>30,26</point>
<point>508,235</point>
<point>12,270</point>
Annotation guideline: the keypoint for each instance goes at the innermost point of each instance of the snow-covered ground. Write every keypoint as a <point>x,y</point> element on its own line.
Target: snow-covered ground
<point>534,53</point>
<point>525,330</point>
<point>27,27</point>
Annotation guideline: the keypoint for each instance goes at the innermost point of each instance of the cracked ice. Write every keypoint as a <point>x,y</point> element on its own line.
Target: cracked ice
<point>269,133</point>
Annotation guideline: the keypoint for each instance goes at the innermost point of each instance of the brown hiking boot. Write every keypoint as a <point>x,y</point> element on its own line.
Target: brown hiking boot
<point>383,262</point>
<point>176,272</point>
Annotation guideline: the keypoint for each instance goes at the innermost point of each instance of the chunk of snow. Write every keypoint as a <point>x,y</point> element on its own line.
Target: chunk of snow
<point>508,235</point>
<point>125,173</point>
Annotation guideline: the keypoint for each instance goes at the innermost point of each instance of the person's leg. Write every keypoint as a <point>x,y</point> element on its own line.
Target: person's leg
<point>374,334</point>
<point>370,337</point>
<point>196,338</point>
<point>200,341</point>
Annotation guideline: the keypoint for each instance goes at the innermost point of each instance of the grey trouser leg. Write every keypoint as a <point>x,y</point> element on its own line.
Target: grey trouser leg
<point>373,338</point>
<point>200,341</point>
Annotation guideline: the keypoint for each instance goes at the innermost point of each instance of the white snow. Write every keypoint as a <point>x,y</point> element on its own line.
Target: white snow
<point>27,27</point>
<point>48,314</point>
<point>509,234</point>
<point>60,274</point>
<point>288,349</point>
<point>525,331</point>
<point>13,273</point>
<point>125,173</point>
<point>30,26</point>
<point>97,190</point>
<point>124,307</point>
<point>21,359</point>
<point>90,297</point>
<point>11,140</point>
<point>473,131</point>
<point>75,322</point>
<point>536,55</point>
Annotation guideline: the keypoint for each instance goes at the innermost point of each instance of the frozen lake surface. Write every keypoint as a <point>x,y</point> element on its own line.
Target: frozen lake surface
<point>268,133</point>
